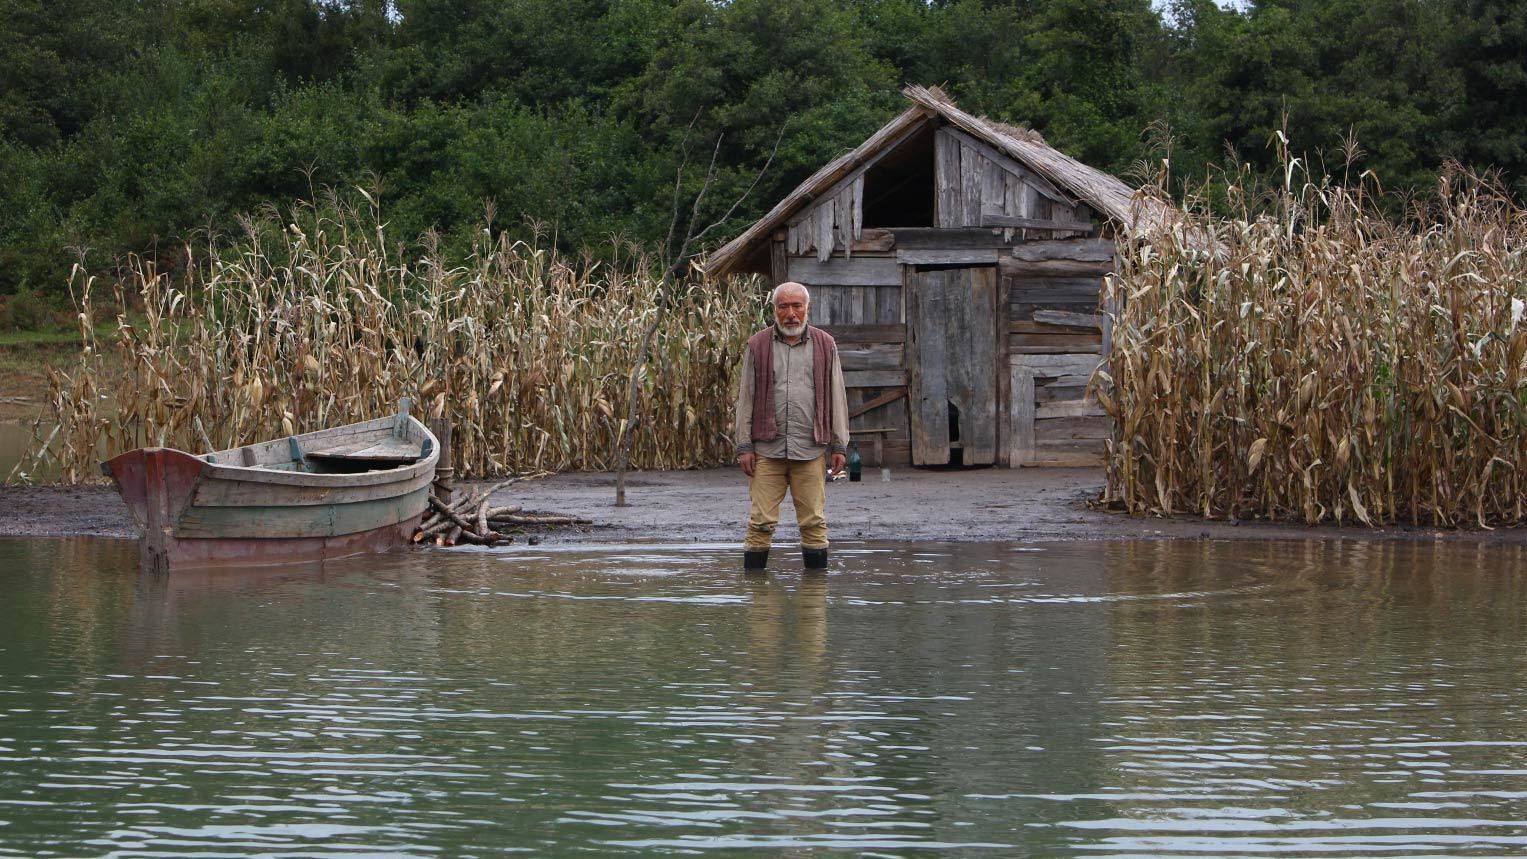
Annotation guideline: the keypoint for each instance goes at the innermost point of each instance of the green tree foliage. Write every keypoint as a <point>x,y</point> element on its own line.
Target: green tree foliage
<point>747,81</point>
<point>137,125</point>
<point>1488,53</point>
<point>51,54</point>
<point>1326,71</point>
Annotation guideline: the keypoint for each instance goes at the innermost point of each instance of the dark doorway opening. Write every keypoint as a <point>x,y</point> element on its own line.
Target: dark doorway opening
<point>956,450</point>
<point>898,189</point>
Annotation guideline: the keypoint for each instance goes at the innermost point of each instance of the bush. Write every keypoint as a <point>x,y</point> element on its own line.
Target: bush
<point>25,311</point>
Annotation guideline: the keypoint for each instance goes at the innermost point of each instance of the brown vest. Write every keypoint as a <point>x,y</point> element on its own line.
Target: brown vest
<point>824,350</point>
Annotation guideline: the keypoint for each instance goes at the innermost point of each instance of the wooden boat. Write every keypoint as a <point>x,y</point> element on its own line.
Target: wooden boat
<point>342,491</point>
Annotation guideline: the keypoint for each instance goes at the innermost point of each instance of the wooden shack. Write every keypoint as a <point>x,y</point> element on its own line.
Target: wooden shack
<point>959,263</point>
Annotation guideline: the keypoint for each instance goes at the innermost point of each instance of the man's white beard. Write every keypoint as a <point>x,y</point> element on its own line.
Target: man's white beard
<point>795,330</point>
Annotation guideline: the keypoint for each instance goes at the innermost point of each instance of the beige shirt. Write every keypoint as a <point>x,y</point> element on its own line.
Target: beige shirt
<point>795,404</point>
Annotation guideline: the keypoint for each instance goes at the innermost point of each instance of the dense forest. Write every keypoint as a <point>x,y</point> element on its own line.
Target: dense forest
<point>141,125</point>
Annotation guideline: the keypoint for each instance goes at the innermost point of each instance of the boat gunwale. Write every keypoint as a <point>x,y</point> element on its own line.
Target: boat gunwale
<point>279,477</point>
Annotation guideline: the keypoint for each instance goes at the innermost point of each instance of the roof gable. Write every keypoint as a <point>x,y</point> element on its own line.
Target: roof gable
<point>1106,194</point>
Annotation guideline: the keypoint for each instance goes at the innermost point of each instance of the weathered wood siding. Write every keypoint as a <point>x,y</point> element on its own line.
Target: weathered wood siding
<point>838,270</point>
<point>975,185</point>
<point>858,299</point>
<point>875,373</point>
<point>952,363</point>
<point>1052,422</point>
<point>1055,341</point>
<point>1048,335</point>
<point>854,305</point>
<point>836,221</point>
<point>1053,289</point>
<point>887,404</point>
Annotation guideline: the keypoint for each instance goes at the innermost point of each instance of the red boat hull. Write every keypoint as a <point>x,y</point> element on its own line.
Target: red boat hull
<point>180,504</point>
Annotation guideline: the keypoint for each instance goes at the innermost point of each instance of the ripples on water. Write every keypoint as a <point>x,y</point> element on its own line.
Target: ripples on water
<point>1204,699</point>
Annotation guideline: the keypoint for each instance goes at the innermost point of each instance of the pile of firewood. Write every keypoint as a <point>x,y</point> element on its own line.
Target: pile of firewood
<point>470,519</point>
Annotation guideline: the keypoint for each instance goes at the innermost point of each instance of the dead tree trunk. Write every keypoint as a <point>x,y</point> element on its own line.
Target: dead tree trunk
<point>627,435</point>
<point>678,268</point>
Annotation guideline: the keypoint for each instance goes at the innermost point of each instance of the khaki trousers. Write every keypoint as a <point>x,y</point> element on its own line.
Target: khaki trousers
<point>807,482</point>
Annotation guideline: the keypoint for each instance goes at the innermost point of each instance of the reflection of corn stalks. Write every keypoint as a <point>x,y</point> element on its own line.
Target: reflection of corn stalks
<point>313,324</point>
<point>1322,363</point>
<point>36,462</point>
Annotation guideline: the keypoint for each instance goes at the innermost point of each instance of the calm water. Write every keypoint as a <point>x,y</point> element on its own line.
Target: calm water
<point>1161,699</point>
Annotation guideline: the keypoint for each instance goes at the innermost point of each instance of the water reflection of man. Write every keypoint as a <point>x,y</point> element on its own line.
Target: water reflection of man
<point>792,410</point>
<point>776,616</point>
<point>787,662</point>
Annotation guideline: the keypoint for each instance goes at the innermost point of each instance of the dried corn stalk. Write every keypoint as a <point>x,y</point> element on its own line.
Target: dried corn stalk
<point>309,322</point>
<point>1320,362</point>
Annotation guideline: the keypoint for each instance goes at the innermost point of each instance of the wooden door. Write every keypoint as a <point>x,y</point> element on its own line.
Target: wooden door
<point>952,363</point>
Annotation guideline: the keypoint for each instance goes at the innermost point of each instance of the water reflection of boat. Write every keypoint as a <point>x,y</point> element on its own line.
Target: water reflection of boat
<point>326,494</point>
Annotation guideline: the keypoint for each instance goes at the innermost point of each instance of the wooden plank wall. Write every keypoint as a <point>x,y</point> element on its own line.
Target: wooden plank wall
<point>1055,342</point>
<point>859,301</point>
<point>988,209</point>
<point>828,224</point>
<point>1052,289</point>
<point>952,364</point>
<point>975,185</point>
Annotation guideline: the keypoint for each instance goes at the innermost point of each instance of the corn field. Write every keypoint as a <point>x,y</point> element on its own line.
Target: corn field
<point>308,321</point>
<point>1324,362</point>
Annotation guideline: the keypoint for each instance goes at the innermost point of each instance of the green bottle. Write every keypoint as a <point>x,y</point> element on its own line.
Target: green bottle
<point>855,463</point>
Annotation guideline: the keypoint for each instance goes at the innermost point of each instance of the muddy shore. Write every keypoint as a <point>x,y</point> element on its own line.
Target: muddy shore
<point>711,506</point>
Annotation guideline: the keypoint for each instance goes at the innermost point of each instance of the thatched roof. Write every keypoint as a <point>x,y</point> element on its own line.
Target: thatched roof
<point>1106,194</point>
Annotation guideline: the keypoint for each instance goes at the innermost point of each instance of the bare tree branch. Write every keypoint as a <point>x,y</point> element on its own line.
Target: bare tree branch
<point>694,209</point>
<point>749,190</point>
<point>676,268</point>
<point>678,179</point>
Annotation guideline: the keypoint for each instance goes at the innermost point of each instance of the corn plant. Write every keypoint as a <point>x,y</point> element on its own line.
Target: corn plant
<point>1319,361</point>
<point>310,320</point>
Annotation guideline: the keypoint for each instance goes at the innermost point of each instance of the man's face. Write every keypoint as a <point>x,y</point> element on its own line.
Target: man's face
<point>790,309</point>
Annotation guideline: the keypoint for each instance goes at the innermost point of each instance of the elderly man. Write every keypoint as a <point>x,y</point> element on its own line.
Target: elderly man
<point>792,411</point>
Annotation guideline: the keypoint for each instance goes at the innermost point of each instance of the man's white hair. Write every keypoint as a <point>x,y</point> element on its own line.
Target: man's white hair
<point>774,293</point>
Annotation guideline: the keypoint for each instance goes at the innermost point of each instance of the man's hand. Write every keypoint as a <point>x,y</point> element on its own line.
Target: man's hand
<point>838,460</point>
<point>746,461</point>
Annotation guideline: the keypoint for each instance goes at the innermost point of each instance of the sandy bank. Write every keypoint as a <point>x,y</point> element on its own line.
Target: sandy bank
<point>711,506</point>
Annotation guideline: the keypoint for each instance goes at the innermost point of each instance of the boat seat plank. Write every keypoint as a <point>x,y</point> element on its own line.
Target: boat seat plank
<point>388,450</point>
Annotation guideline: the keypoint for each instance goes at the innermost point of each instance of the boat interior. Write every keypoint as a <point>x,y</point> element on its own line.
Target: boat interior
<point>379,445</point>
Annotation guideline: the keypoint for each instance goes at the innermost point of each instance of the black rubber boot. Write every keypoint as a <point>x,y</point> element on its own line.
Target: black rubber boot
<point>815,559</point>
<point>754,560</point>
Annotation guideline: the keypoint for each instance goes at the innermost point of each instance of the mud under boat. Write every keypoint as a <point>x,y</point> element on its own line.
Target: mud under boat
<point>327,494</point>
